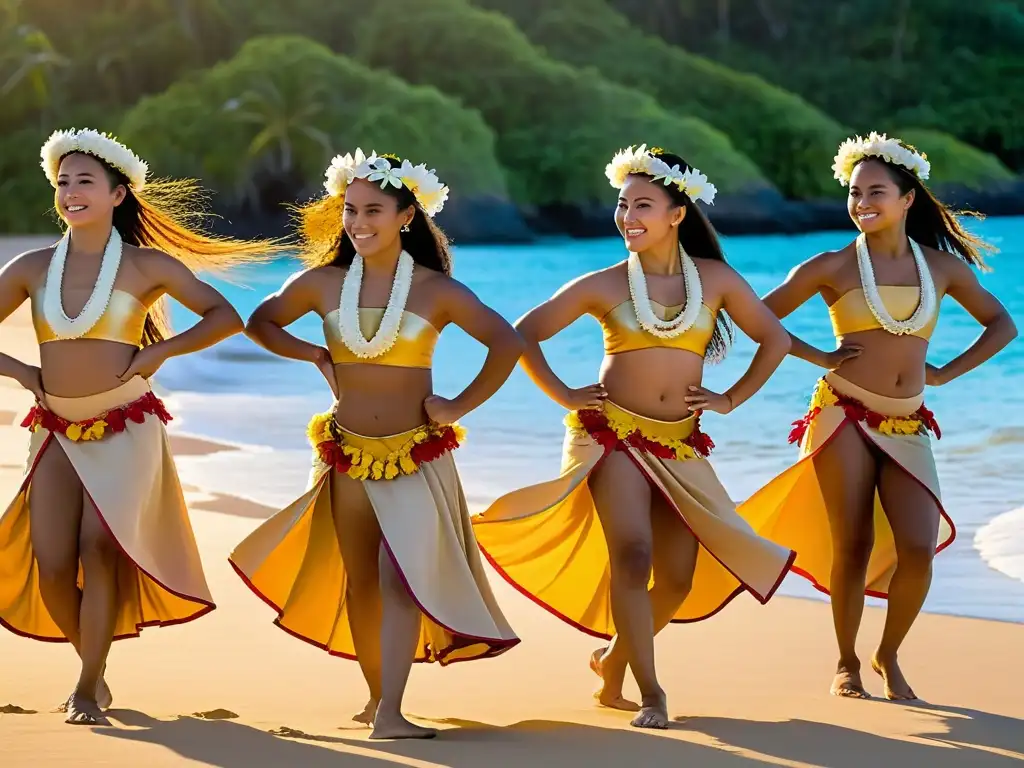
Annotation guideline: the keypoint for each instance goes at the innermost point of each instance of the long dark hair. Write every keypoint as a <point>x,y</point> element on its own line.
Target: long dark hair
<point>326,243</point>
<point>698,238</point>
<point>931,222</point>
<point>167,217</point>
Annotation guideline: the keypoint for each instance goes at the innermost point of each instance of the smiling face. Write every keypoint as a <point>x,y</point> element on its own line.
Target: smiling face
<point>646,214</point>
<point>85,194</point>
<point>373,218</point>
<point>875,202</point>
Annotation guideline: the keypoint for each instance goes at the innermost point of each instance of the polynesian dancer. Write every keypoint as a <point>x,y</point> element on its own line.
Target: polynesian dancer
<point>862,505</point>
<point>97,543</point>
<point>634,455</point>
<point>377,561</point>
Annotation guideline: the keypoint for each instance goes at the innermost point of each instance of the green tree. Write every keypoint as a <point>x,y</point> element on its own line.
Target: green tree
<point>556,125</point>
<point>791,141</point>
<point>273,115</point>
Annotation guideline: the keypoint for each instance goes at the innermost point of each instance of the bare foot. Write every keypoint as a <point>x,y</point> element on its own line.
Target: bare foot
<point>368,714</point>
<point>609,694</point>
<point>896,686</point>
<point>847,684</point>
<point>397,727</point>
<point>104,698</point>
<point>82,711</point>
<point>653,713</point>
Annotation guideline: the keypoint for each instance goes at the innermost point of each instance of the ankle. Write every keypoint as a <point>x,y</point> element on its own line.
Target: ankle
<point>884,657</point>
<point>849,664</point>
<point>654,697</point>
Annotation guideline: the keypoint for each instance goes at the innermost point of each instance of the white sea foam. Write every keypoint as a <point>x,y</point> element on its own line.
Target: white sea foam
<point>1001,543</point>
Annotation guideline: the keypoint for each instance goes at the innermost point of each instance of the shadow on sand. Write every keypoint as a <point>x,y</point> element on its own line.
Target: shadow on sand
<point>959,737</point>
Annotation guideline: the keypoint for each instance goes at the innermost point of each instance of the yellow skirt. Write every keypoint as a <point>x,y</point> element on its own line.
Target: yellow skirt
<point>791,511</point>
<point>117,444</point>
<point>547,541</point>
<point>293,561</point>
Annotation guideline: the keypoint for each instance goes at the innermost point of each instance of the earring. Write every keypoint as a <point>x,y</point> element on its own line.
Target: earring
<point>405,227</point>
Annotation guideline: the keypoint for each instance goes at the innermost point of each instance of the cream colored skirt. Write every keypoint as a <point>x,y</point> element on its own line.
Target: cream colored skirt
<point>547,540</point>
<point>791,511</point>
<point>293,561</point>
<point>117,444</point>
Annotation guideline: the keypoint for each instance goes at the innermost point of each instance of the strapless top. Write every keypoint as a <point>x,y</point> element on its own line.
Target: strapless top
<point>622,331</point>
<point>414,347</point>
<point>851,313</point>
<point>123,320</point>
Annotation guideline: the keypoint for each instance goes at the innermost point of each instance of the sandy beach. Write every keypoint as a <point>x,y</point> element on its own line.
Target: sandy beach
<point>748,687</point>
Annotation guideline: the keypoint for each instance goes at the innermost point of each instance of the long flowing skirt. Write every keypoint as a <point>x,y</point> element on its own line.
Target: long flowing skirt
<point>547,541</point>
<point>293,561</point>
<point>118,447</point>
<point>790,510</point>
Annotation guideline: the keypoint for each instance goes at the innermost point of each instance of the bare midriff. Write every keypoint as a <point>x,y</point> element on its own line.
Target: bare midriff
<point>652,382</point>
<point>380,400</point>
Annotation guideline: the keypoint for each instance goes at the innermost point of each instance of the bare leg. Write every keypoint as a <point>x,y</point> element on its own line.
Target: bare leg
<point>359,540</point>
<point>914,518</point>
<point>622,497</point>
<point>675,557</point>
<point>847,469</point>
<point>55,511</point>
<point>400,629</point>
<point>100,557</point>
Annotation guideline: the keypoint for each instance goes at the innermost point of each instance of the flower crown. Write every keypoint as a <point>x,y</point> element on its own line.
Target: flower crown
<point>852,151</point>
<point>424,184</point>
<point>691,182</point>
<point>99,145</point>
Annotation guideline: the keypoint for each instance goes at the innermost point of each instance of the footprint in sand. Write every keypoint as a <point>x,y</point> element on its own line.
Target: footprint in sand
<point>216,714</point>
<point>293,733</point>
<point>14,709</point>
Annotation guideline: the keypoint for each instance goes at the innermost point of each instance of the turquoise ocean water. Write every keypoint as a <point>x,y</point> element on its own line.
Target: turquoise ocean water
<point>237,393</point>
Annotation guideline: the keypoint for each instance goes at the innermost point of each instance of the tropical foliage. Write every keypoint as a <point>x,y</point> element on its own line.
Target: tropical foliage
<point>509,99</point>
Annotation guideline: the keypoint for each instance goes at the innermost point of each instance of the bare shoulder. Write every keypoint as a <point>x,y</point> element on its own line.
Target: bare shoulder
<point>150,261</point>
<point>30,266</point>
<point>948,264</point>
<point>439,282</point>
<point>600,281</point>
<point>822,266</point>
<point>314,277</point>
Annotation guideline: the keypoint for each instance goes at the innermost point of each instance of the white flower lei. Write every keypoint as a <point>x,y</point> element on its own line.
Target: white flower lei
<point>926,305</point>
<point>691,182</point>
<point>390,325</point>
<point>63,326</point>
<point>852,151</point>
<point>650,322</point>
<point>423,183</point>
<point>101,145</point>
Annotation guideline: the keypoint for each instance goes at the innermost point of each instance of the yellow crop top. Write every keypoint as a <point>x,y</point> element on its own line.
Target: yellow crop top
<point>851,313</point>
<point>123,320</point>
<point>622,332</point>
<point>414,347</point>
